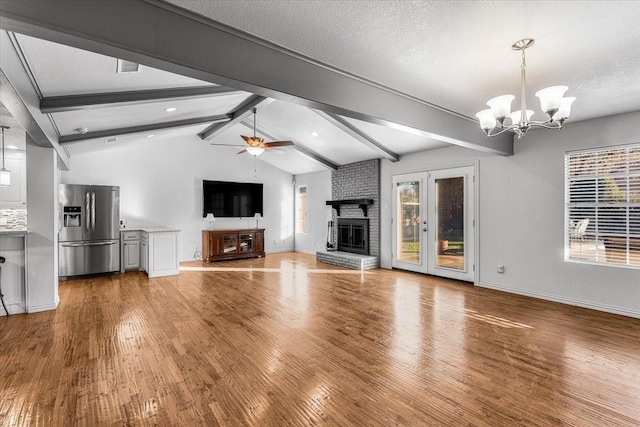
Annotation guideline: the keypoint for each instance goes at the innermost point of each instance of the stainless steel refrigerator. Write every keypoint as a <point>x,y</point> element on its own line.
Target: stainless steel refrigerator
<point>89,229</point>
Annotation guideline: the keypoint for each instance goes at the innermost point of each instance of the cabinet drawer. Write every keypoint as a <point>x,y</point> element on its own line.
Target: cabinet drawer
<point>131,235</point>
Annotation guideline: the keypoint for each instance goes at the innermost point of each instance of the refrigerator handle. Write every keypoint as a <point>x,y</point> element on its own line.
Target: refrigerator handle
<point>93,211</point>
<point>87,215</point>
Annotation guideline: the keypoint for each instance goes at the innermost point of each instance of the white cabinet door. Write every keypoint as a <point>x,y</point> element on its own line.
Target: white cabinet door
<point>131,255</point>
<point>163,254</point>
<point>144,256</point>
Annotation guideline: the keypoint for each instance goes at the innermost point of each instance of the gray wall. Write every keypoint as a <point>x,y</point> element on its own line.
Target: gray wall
<point>521,215</point>
<point>359,180</point>
<point>318,213</point>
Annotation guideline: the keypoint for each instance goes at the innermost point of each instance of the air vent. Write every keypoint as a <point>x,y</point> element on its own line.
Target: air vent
<point>128,66</point>
<point>110,140</point>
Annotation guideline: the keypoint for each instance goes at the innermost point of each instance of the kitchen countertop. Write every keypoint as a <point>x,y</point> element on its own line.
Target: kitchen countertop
<point>151,229</point>
<point>19,232</point>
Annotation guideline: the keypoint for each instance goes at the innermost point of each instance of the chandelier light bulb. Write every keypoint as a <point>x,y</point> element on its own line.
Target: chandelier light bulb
<point>516,116</point>
<point>501,105</point>
<point>550,98</point>
<point>565,108</point>
<point>487,120</point>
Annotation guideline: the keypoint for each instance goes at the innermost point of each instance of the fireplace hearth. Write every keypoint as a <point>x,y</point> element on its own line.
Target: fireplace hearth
<point>353,235</point>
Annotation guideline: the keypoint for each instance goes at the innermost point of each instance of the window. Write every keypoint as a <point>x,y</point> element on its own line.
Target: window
<point>602,206</point>
<point>302,209</point>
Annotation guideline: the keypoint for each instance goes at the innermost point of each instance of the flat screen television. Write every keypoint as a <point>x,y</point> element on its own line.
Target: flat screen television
<point>231,199</point>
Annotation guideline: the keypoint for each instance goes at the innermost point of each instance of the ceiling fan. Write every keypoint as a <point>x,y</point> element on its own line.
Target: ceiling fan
<point>256,145</point>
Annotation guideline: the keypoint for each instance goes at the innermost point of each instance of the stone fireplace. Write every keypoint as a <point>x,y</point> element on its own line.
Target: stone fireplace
<point>353,235</point>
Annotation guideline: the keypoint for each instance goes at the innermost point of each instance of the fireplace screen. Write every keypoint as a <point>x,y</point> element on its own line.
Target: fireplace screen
<point>353,236</point>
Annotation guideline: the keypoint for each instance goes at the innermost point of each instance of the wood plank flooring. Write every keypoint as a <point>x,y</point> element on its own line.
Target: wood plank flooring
<point>286,341</point>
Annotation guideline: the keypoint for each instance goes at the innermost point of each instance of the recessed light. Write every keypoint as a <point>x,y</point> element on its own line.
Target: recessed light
<point>81,131</point>
<point>150,135</point>
<point>314,134</point>
<point>170,109</point>
<point>12,147</point>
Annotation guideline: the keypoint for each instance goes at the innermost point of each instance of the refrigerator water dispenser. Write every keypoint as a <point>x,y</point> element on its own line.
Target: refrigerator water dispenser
<point>72,216</point>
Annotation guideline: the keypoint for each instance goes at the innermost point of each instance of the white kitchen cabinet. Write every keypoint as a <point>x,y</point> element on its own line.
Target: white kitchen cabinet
<point>159,252</point>
<point>130,250</point>
<point>144,253</point>
<point>15,195</point>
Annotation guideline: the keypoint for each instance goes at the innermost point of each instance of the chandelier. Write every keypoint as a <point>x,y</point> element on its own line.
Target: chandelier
<point>499,118</point>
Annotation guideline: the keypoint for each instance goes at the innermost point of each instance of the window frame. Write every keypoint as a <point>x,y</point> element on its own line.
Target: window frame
<point>301,209</point>
<point>588,190</point>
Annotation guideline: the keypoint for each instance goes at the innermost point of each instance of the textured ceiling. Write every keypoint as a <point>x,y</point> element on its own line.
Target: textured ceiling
<point>457,54</point>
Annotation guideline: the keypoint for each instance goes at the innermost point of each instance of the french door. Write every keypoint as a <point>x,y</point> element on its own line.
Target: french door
<point>433,222</point>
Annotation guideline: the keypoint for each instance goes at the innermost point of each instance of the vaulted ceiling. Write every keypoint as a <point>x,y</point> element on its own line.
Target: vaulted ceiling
<point>374,71</point>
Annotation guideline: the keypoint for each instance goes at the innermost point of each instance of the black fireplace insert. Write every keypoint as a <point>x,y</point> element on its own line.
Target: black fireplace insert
<point>353,235</point>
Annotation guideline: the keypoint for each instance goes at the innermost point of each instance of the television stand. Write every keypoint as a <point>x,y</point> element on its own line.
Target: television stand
<point>220,245</point>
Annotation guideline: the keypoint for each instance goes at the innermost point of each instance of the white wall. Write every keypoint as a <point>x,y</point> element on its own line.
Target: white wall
<point>42,243</point>
<point>318,213</point>
<point>161,185</point>
<point>521,216</point>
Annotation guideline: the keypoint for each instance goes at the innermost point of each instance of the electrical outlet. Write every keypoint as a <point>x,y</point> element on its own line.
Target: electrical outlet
<point>501,269</point>
<point>275,242</point>
<point>314,243</point>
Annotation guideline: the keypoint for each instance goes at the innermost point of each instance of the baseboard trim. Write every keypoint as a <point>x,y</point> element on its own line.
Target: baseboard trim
<point>279,251</point>
<point>305,252</point>
<point>39,308</point>
<point>563,300</point>
<point>14,308</point>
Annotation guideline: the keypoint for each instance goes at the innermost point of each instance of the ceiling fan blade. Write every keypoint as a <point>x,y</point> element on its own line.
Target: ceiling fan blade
<point>278,143</point>
<point>240,152</point>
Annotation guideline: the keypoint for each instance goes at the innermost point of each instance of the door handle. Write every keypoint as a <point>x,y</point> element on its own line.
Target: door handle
<point>87,212</point>
<point>77,245</point>
<point>93,211</point>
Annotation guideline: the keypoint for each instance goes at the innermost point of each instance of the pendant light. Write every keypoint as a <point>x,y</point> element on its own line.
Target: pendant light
<point>5,174</point>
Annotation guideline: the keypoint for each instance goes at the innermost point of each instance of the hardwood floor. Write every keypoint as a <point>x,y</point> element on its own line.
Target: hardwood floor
<point>283,341</point>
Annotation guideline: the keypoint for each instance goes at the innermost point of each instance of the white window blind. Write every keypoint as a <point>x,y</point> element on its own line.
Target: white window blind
<point>602,206</point>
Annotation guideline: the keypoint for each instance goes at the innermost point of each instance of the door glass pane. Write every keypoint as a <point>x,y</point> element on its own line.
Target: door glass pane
<point>230,243</point>
<point>409,221</point>
<point>246,242</point>
<point>449,237</point>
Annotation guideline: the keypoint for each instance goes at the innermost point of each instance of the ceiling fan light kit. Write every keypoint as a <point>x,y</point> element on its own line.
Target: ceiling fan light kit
<point>493,121</point>
<point>255,151</point>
